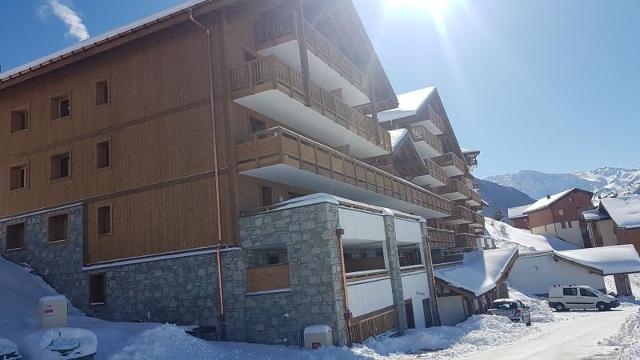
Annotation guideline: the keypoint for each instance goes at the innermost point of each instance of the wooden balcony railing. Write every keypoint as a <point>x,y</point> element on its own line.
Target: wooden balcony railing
<point>435,170</point>
<point>247,78</point>
<point>436,119</point>
<point>270,277</point>
<point>373,324</point>
<point>455,186</point>
<point>420,133</point>
<point>451,159</point>
<point>281,146</point>
<point>281,25</point>
<point>466,241</point>
<point>475,196</point>
<point>416,168</point>
<point>440,238</point>
<point>479,219</point>
<point>460,212</point>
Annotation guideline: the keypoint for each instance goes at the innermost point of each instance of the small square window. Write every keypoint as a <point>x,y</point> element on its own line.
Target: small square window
<point>60,107</point>
<point>15,236</point>
<point>266,195</point>
<point>561,212</point>
<point>255,126</point>
<point>60,166</point>
<point>97,289</point>
<point>104,220</point>
<point>58,227</point>
<point>18,177</point>
<point>102,92</point>
<point>103,154</point>
<point>19,120</point>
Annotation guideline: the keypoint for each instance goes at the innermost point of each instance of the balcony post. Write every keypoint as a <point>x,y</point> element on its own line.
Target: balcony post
<point>395,274</point>
<point>428,263</point>
<point>302,47</point>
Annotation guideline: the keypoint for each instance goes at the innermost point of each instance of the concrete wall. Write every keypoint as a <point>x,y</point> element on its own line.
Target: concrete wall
<point>415,287</point>
<point>533,274</point>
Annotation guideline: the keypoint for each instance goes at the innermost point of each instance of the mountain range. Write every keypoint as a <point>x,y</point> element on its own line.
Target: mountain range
<point>500,197</point>
<point>604,181</point>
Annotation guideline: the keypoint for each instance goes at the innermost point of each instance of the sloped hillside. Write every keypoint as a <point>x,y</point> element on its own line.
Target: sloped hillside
<point>501,197</point>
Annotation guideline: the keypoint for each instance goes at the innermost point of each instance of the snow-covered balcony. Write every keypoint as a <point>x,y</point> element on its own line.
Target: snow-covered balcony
<point>452,164</point>
<point>461,215</point>
<point>454,190</point>
<point>271,87</point>
<point>427,144</point>
<point>278,34</point>
<point>283,156</point>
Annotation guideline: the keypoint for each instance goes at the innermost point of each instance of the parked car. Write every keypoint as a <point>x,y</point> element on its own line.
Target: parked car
<point>511,308</point>
<point>8,350</point>
<point>567,297</point>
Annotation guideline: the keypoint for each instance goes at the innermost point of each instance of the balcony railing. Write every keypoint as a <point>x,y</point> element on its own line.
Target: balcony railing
<point>455,186</point>
<point>436,119</point>
<point>440,238</point>
<point>248,78</point>
<point>420,133</point>
<point>283,24</point>
<point>461,215</point>
<point>451,160</point>
<point>425,172</point>
<point>466,241</point>
<point>475,197</point>
<point>281,146</point>
<point>479,219</point>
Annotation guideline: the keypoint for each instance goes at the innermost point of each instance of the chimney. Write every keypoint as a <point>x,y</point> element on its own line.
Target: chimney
<point>548,196</point>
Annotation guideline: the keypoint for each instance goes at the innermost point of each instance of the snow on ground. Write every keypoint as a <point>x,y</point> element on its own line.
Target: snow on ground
<point>506,235</point>
<point>627,338</point>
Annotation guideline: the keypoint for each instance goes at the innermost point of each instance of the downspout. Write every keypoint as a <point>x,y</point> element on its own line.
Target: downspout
<point>216,177</point>
<point>347,312</point>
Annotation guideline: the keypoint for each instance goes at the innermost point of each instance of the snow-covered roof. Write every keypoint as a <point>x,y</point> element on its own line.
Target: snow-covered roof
<point>619,259</point>
<point>594,215</point>
<point>624,210</point>
<point>100,39</point>
<point>479,271</point>
<point>397,137</point>
<point>408,104</point>
<point>507,236</point>
<point>546,201</point>
<point>517,212</point>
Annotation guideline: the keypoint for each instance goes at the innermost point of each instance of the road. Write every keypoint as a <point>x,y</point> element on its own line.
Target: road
<point>573,339</point>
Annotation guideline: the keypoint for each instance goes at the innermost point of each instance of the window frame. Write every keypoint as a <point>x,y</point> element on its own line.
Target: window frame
<point>571,289</point>
<point>25,166</point>
<point>108,97</point>
<point>110,220</point>
<point>55,106</point>
<point>108,166</point>
<point>26,109</point>
<point>66,228</point>
<point>91,294</point>
<point>70,170</point>
<point>21,242</point>
<point>262,195</point>
<point>253,120</point>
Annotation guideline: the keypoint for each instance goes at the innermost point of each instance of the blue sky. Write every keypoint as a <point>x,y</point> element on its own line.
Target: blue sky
<point>534,84</point>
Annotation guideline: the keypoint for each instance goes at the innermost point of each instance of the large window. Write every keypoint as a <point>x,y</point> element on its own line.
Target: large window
<point>18,177</point>
<point>97,289</point>
<point>409,255</point>
<point>58,227</point>
<point>19,120</point>
<point>15,236</point>
<point>60,166</point>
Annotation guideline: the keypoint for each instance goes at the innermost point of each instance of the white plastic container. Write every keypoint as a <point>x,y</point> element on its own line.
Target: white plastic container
<point>316,336</point>
<point>52,311</point>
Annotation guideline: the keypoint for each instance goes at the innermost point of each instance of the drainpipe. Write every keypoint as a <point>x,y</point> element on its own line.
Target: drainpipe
<point>216,177</point>
<point>347,312</point>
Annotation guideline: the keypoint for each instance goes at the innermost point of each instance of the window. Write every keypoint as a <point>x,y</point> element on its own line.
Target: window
<point>255,126</point>
<point>15,236</point>
<point>102,92</point>
<point>97,289</point>
<point>273,259</point>
<point>561,212</point>
<point>587,292</point>
<point>60,166</point>
<point>569,291</point>
<point>249,56</point>
<point>18,177</point>
<point>104,220</point>
<point>293,195</point>
<point>563,225</point>
<point>58,227</point>
<point>60,107</point>
<point>503,305</point>
<point>266,196</point>
<point>19,120</point>
<point>569,223</point>
<point>103,155</point>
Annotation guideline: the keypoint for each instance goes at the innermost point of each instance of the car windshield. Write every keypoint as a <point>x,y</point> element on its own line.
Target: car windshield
<point>503,305</point>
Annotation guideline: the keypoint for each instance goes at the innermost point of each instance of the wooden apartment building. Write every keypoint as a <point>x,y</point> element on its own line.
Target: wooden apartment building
<point>133,155</point>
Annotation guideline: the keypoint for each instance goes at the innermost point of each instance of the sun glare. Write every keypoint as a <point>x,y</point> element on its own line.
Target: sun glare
<point>437,10</point>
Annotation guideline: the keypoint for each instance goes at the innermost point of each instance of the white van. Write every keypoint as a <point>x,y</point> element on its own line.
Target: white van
<point>566,297</point>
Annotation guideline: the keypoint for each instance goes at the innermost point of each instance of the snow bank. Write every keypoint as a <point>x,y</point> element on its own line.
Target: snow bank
<point>540,310</point>
<point>627,339</point>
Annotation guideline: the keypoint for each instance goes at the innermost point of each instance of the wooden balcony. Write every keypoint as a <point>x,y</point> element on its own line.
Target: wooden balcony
<point>265,278</point>
<point>277,34</point>
<point>282,156</point>
<point>452,164</point>
<point>273,88</point>
<point>454,190</point>
<point>432,121</point>
<point>425,172</point>
<point>474,198</point>
<point>441,239</point>
<point>466,241</point>
<point>461,215</point>
<point>427,144</point>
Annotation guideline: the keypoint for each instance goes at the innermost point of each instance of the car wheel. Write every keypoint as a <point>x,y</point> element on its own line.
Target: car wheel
<point>559,307</point>
<point>601,306</point>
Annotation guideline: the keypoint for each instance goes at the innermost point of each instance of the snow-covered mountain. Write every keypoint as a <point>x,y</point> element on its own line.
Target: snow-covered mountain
<point>603,181</point>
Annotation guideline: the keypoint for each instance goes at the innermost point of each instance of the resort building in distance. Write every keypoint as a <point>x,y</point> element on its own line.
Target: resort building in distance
<point>243,166</point>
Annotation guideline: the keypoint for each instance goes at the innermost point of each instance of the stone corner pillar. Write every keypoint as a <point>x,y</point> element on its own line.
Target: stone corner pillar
<point>395,274</point>
<point>428,263</point>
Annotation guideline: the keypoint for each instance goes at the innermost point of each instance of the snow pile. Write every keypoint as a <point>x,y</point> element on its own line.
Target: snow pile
<point>7,347</point>
<point>610,260</point>
<point>505,235</point>
<point>627,339</point>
